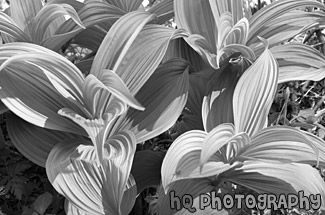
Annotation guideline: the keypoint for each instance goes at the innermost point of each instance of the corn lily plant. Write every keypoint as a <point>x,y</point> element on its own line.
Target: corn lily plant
<point>88,127</point>
<point>277,22</point>
<point>246,152</point>
<point>208,48</point>
<point>31,22</point>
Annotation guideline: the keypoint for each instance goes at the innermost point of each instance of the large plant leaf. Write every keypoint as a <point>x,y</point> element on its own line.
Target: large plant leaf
<point>70,209</point>
<point>34,142</point>
<point>146,168</point>
<point>278,178</point>
<point>203,24</point>
<point>235,8</point>
<point>164,97</point>
<point>283,144</point>
<point>280,21</point>
<point>164,11</point>
<point>178,48</point>
<point>93,188</point>
<point>254,94</point>
<point>22,12</point>
<point>26,88</point>
<point>46,16</point>
<point>299,62</point>
<point>10,28</point>
<point>126,5</point>
<point>217,106</point>
<point>138,51</point>
<point>222,135</point>
<point>125,30</point>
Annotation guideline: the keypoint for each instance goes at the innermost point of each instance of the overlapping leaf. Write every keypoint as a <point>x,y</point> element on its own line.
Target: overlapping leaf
<point>34,147</point>
<point>280,21</point>
<point>217,106</point>
<point>27,91</point>
<point>164,96</point>
<point>254,94</point>
<point>299,62</point>
<point>74,172</point>
<point>277,178</point>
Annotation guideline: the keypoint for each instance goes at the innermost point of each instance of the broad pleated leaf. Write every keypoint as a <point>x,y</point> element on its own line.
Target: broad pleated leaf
<point>319,143</point>
<point>46,16</point>
<point>146,168</point>
<point>193,187</point>
<point>299,62</point>
<point>199,82</point>
<point>125,30</point>
<point>34,147</point>
<point>74,173</point>
<point>278,178</point>
<point>217,106</point>
<point>22,12</point>
<point>126,5</point>
<point>135,60</point>
<point>277,22</point>
<point>178,48</point>
<point>164,96</point>
<point>70,209</point>
<point>27,91</point>
<point>233,6</point>
<point>92,15</point>
<point>222,135</point>
<point>182,160</point>
<point>10,28</point>
<point>164,11</point>
<point>254,94</point>
<point>183,154</point>
<point>282,144</point>
<point>204,22</point>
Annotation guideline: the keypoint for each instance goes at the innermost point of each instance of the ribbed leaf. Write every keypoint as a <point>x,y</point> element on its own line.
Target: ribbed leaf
<point>146,168</point>
<point>193,187</point>
<point>27,91</point>
<point>278,178</point>
<point>220,136</point>
<point>164,96</point>
<point>34,142</point>
<point>164,11</point>
<point>126,5</point>
<point>204,22</point>
<point>283,144</point>
<point>70,209</point>
<point>178,48</point>
<point>233,6</point>
<point>46,16</point>
<point>299,62</point>
<point>254,94</point>
<point>10,28</point>
<point>319,143</point>
<point>278,22</point>
<point>74,173</point>
<point>125,30</point>
<point>184,154</point>
<point>22,12</point>
<point>136,54</point>
<point>217,106</point>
